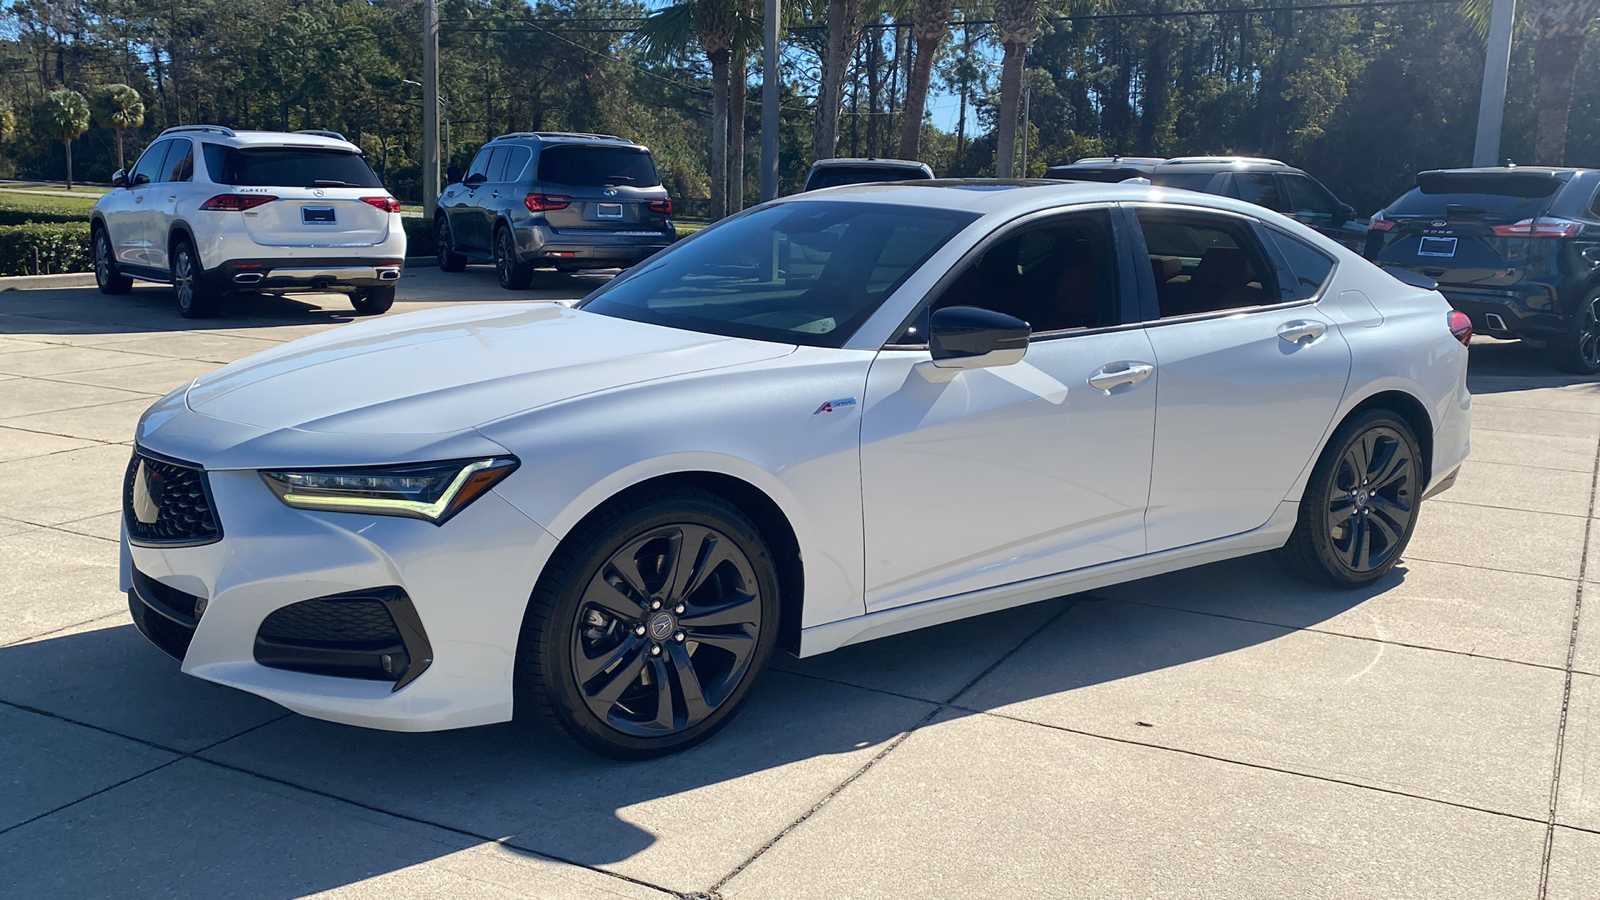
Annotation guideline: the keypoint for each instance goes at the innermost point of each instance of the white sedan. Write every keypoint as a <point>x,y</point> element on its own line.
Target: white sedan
<point>829,419</point>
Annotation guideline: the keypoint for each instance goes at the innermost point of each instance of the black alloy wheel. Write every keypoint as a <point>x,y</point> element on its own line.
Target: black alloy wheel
<point>645,636</point>
<point>106,276</point>
<point>1360,505</point>
<point>514,274</point>
<point>1580,347</point>
<point>444,247</point>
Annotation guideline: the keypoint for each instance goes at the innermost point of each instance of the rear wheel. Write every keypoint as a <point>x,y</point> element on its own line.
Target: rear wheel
<point>649,626</point>
<point>1360,505</point>
<point>195,299</point>
<point>514,274</point>
<point>106,276</point>
<point>1579,349</point>
<point>373,301</point>
<point>449,259</point>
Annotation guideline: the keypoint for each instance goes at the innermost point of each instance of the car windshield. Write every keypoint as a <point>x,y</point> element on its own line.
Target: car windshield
<point>591,166</point>
<point>834,176</point>
<point>798,273</point>
<point>288,167</point>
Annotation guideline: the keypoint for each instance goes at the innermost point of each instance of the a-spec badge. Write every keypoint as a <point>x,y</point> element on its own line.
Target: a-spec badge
<point>836,405</point>
<point>146,496</point>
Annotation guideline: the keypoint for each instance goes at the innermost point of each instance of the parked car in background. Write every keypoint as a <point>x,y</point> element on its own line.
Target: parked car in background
<point>213,211</point>
<point>836,417</point>
<point>1106,168</point>
<point>827,173</point>
<point>1269,183</point>
<point>1516,248</point>
<point>562,200</point>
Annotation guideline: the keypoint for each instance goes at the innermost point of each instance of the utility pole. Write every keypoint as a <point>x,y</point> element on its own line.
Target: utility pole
<point>1027,94</point>
<point>430,107</point>
<point>769,101</point>
<point>1492,102</point>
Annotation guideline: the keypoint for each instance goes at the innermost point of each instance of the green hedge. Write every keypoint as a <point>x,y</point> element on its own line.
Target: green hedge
<point>38,215</point>
<point>62,248</point>
<point>419,237</point>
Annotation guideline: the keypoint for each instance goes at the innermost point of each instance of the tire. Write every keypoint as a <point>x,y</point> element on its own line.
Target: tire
<point>106,276</point>
<point>578,619</point>
<point>373,301</point>
<point>1360,506</point>
<point>195,299</point>
<point>444,247</point>
<point>1578,351</point>
<point>514,274</point>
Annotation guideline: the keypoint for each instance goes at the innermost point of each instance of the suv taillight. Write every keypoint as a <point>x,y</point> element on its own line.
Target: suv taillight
<point>661,206</point>
<point>236,202</point>
<point>1461,327</point>
<point>387,204</point>
<point>1541,228</point>
<point>1379,224</point>
<point>542,202</point>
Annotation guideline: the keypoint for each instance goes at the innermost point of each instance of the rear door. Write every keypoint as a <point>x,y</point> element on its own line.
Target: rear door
<point>1260,188</point>
<point>320,196</point>
<point>607,189</point>
<point>1458,228</point>
<point>1311,204</point>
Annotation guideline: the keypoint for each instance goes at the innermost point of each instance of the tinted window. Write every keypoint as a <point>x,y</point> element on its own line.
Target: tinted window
<point>590,166</point>
<point>1444,202</point>
<point>1056,276</point>
<point>1307,198</point>
<point>516,161</point>
<point>834,176</point>
<point>179,164</point>
<point>1310,267</point>
<point>150,165</point>
<point>1188,181</point>
<point>1205,263</point>
<point>497,163</point>
<point>291,167</point>
<point>798,273</point>
<point>480,163</point>
<point>1260,189</point>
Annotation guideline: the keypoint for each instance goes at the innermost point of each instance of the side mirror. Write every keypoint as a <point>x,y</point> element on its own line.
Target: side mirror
<point>966,337</point>
<point>1344,213</point>
<point>475,179</point>
<point>119,179</point>
<point>139,179</point>
<point>452,175</point>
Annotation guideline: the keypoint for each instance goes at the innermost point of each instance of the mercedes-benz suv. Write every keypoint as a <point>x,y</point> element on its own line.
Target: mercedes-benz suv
<point>561,200</point>
<point>213,211</point>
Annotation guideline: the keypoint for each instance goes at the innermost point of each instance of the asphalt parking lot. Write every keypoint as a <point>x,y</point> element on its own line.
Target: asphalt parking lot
<point>1223,732</point>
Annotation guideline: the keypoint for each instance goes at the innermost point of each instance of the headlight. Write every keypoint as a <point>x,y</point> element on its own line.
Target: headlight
<point>432,491</point>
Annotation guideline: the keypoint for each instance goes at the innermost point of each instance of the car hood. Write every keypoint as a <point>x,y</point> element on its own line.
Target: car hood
<point>448,370</point>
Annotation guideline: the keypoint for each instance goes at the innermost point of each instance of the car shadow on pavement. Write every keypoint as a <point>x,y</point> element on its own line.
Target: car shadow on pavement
<point>682,822</point>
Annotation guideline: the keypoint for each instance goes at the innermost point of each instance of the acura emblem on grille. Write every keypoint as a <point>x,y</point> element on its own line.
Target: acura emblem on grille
<point>146,495</point>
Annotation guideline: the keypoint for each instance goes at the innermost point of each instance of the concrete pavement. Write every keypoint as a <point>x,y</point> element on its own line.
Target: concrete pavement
<point>1222,732</point>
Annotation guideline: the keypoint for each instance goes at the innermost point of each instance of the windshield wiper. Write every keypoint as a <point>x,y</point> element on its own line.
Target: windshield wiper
<point>331,182</point>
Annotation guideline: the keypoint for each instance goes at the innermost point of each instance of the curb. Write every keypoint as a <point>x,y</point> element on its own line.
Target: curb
<point>42,282</point>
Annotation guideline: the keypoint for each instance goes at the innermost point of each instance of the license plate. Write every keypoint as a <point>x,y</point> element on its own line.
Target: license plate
<point>608,210</point>
<point>1437,246</point>
<point>317,215</point>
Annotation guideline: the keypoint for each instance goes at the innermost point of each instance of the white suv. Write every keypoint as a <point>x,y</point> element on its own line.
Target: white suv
<point>213,211</point>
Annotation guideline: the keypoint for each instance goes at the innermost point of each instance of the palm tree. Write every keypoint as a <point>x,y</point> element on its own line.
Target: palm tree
<point>930,26</point>
<point>1558,28</point>
<point>118,107</point>
<point>839,44</point>
<point>64,115</point>
<point>1016,25</point>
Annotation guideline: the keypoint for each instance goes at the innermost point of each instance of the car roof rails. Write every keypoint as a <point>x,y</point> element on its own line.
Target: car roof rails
<point>1225,160</point>
<point>564,134</point>
<point>212,129</point>
<point>320,133</point>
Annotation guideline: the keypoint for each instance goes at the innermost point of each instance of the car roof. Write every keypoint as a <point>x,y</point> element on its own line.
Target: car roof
<point>568,137</point>
<point>1008,198</point>
<point>217,134</point>
<point>869,162</point>
<point>1116,161</point>
<point>1225,164</point>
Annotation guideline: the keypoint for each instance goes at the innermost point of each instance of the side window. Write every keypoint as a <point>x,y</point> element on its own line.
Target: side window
<point>1307,198</point>
<point>480,164</point>
<point>497,163</point>
<point>1205,263</point>
<point>179,165</point>
<point>1259,188</point>
<point>216,157</point>
<point>1055,275</point>
<point>516,163</point>
<point>1594,207</point>
<point>1309,267</point>
<point>150,164</point>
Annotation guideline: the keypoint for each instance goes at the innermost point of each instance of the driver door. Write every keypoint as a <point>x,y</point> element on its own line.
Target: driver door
<point>1004,474</point>
<point>462,206</point>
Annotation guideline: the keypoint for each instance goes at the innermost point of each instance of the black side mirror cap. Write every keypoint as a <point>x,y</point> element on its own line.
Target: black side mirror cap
<point>475,179</point>
<point>119,179</point>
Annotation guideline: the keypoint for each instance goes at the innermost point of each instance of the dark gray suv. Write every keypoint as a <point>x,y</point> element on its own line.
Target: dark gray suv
<point>554,200</point>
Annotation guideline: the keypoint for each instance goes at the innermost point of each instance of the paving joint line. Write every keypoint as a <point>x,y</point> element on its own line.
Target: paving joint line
<point>1454,562</point>
<point>54,631</point>
<point>58,527</point>
<point>1541,512</point>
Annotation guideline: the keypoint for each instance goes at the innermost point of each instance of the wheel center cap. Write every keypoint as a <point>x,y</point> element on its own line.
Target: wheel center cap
<point>661,626</point>
<point>1362,496</point>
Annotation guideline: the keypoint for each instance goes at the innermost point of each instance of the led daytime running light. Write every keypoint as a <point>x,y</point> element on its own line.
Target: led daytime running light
<point>364,490</point>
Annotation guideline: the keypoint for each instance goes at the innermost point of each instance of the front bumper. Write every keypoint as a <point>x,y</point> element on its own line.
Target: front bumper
<point>467,582</point>
<point>313,274</point>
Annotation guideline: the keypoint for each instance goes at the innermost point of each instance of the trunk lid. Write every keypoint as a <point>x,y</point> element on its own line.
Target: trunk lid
<point>319,217</point>
<point>608,189</point>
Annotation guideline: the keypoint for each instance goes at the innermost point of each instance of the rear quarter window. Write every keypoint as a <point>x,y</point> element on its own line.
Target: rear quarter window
<point>591,166</point>
<point>1309,268</point>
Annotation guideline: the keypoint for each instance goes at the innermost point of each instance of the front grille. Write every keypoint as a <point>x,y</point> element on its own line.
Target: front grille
<point>374,634</point>
<point>170,504</point>
<point>166,616</point>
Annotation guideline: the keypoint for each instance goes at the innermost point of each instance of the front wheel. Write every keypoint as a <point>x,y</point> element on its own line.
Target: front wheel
<point>649,626</point>
<point>444,247</point>
<point>373,301</point>
<point>514,274</point>
<point>1360,505</point>
<point>1578,350</point>
<point>106,276</point>
<point>195,299</point>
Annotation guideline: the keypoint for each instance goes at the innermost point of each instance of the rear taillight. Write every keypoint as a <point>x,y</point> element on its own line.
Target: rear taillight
<point>1541,228</point>
<point>661,206</point>
<point>387,204</point>
<point>542,202</point>
<point>1461,327</point>
<point>236,202</point>
<point>1379,224</point>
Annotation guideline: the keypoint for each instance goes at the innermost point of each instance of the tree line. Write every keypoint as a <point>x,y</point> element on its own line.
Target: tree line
<point>1363,96</point>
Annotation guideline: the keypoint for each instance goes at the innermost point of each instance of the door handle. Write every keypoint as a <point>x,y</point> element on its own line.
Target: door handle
<point>139,199</point>
<point>495,195</point>
<point>1302,332</point>
<point>171,197</point>
<point>1115,375</point>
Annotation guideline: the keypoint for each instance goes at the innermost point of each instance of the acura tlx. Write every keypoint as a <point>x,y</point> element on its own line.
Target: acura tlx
<point>831,418</point>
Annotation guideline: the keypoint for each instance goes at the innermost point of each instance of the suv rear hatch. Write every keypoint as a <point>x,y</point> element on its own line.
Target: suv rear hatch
<point>325,197</point>
<point>1469,228</point>
<point>589,188</point>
